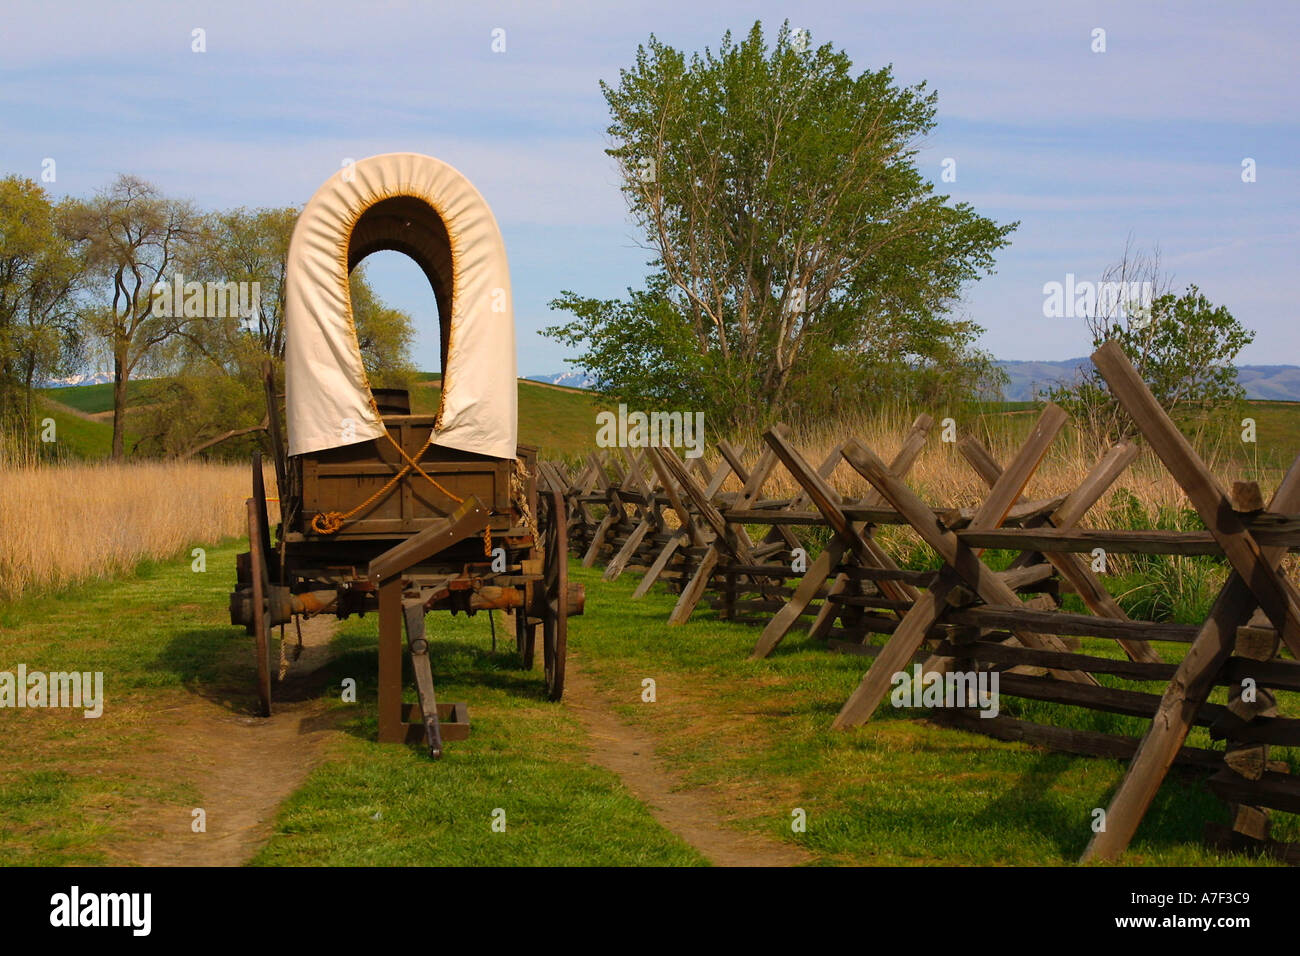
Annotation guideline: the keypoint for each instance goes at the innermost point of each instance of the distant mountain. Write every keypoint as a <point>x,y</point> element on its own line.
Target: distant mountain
<point>88,378</point>
<point>573,379</point>
<point>1276,382</point>
<point>1027,379</point>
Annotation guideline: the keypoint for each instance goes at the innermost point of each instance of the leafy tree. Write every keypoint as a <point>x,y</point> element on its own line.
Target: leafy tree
<point>794,240</point>
<point>252,245</point>
<point>38,276</point>
<point>133,238</point>
<point>212,388</point>
<point>642,348</point>
<point>213,399</point>
<point>1183,346</point>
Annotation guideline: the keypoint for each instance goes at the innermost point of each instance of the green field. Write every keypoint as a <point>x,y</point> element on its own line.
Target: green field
<point>79,438</point>
<point>752,735</point>
<point>93,399</point>
<point>70,784</point>
<point>561,422</point>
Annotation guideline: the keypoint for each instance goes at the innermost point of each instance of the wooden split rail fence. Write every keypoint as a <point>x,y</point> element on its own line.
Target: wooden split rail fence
<point>965,622</point>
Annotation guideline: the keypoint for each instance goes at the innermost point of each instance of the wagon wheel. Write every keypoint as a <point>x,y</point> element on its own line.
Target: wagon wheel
<point>555,612</point>
<point>260,574</point>
<point>260,556</point>
<point>263,518</point>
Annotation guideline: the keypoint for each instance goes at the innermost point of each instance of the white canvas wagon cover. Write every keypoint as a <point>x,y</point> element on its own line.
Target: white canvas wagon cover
<point>421,206</point>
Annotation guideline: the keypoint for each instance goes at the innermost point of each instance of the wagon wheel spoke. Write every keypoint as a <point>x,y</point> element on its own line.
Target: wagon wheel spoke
<point>260,575</point>
<point>555,622</point>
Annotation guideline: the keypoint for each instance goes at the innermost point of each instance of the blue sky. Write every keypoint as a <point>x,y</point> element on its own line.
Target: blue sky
<point>1086,149</point>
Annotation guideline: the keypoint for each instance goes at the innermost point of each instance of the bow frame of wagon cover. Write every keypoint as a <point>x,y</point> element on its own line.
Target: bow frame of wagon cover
<point>384,510</point>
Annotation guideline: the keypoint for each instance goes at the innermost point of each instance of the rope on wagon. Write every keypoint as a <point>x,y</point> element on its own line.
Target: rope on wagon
<point>328,522</point>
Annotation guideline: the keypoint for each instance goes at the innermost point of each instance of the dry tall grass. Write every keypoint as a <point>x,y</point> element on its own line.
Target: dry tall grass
<point>1145,493</point>
<point>942,477</point>
<point>70,523</point>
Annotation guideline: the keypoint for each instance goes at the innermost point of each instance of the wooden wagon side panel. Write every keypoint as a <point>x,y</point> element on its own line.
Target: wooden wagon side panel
<point>342,479</point>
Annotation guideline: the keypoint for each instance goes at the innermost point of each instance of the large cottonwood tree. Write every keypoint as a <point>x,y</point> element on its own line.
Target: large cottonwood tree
<point>795,240</point>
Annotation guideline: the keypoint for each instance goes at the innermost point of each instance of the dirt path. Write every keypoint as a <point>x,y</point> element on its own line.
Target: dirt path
<point>243,767</point>
<point>692,814</point>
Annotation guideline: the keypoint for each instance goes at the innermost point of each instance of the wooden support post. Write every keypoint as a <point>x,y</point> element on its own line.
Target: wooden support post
<point>633,480</point>
<point>864,549</point>
<point>391,728</point>
<point>695,588</point>
<point>826,562</point>
<point>657,568</point>
<point>1086,584</point>
<point>1277,596</point>
<point>780,532</point>
<point>961,563</point>
<point>688,532</point>
<point>616,565</point>
<point>900,466</point>
<point>715,482</point>
<point>684,519</point>
<point>413,613</point>
<point>386,571</point>
<point>1187,692</point>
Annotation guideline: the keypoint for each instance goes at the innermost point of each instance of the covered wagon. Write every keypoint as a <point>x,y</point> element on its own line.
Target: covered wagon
<point>388,511</point>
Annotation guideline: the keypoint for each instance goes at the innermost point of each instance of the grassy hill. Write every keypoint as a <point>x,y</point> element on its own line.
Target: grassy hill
<point>93,399</point>
<point>79,437</point>
<point>561,421</point>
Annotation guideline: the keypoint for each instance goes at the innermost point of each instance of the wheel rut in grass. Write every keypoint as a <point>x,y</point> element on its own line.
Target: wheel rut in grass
<point>242,767</point>
<point>692,814</point>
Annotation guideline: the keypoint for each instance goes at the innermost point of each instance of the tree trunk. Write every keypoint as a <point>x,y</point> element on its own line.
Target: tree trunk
<point>119,406</point>
<point>29,417</point>
<point>8,398</point>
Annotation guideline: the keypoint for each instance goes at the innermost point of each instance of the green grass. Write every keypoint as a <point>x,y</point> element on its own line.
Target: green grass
<point>898,790</point>
<point>1278,428</point>
<point>79,438</point>
<point>371,804</point>
<point>753,734</point>
<point>68,784</point>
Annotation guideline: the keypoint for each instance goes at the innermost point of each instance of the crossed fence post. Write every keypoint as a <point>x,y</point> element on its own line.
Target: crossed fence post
<point>644,494</point>
<point>1255,583</point>
<point>834,551</point>
<point>962,564</point>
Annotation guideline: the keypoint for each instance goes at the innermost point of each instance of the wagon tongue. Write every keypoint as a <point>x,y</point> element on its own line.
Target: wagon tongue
<point>469,518</point>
